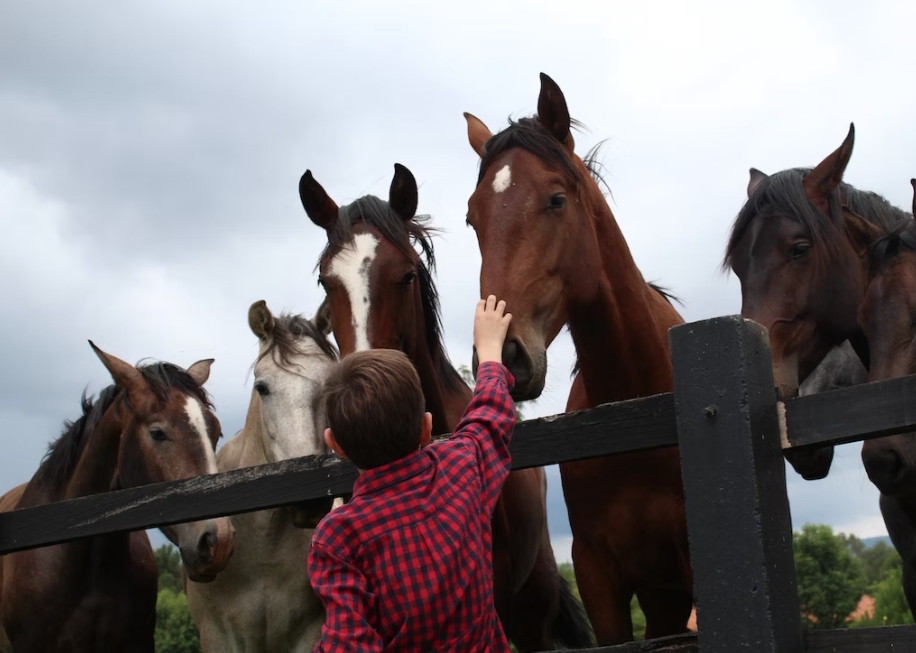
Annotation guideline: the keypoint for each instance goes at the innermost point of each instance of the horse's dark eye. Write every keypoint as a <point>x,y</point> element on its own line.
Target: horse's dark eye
<point>322,283</point>
<point>799,251</point>
<point>408,278</point>
<point>557,201</point>
<point>158,435</point>
<point>262,389</point>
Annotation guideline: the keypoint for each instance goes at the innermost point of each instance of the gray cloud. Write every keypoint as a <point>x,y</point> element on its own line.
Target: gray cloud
<point>149,157</point>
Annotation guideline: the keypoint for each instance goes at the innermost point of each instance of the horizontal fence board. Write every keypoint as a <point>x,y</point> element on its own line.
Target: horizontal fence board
<point>861,412</point>
<point>899,639</point>
<point>612,428</point>
<point>674,644</point>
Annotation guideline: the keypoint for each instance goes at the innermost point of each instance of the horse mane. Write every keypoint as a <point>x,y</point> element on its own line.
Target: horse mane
<point>886,247</point>
<point>63,454</point>
<point>406,236</point>
<point>529,134</point>
<point>782,193</point>
<point>288,330</point>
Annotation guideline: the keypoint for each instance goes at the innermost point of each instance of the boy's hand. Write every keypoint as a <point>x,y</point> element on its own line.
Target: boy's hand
<point>490,325</point>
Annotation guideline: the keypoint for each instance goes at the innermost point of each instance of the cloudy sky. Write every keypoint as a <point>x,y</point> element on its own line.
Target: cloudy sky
<point>150,155</point>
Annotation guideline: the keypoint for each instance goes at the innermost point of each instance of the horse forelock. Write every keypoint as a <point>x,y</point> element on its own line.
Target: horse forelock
<point>783,194</point>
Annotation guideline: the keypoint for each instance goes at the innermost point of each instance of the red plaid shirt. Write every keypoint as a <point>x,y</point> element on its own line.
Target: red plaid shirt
<point>406,565</point>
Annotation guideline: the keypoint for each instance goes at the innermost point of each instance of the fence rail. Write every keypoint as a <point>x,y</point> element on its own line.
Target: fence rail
<point>731,430</point>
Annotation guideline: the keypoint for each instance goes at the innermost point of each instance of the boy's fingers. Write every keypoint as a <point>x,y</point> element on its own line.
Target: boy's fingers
<point>501,307</point>
<point>491,302</point>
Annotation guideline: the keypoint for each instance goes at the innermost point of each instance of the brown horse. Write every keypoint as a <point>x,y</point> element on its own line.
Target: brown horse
<point>888,317</point>
<point>800,275</point>
<point>381,295</point>
<point>99,594</point>
<point>552,249</point>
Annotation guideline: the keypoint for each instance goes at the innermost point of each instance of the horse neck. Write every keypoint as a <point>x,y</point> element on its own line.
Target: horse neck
<point>621,335</point>
<point>98,464</point>
<point>444,403</point>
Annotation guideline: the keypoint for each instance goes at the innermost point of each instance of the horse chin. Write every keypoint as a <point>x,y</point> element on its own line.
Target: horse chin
<point>530,386</point>
<point>811,464</point>
<point>199,578</point>
<point>307,514</point>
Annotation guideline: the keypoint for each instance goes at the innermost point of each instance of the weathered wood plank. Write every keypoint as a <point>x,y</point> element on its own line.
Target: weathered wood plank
<point>613,428</point>
<point>735,488</point>
<point>896,639</point>
<point>851,414</point>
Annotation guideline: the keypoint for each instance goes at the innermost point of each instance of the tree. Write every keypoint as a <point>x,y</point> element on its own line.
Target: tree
<point>468,377</point>
<point>831,579</point>
<point>175,630</point>
<point>878,561</point>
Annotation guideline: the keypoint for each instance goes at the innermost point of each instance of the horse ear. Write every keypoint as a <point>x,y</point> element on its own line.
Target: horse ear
<point>403,196</point>
<point>200,371</point>
<point>261,320</point>
<point>318,206</point>
<point>754,181</point>
<point>322,319</point>
<point>828,174</point>
<point>553,113</point>
<point>860,231</point>
<point>478,134</point>
<point>128,377</point>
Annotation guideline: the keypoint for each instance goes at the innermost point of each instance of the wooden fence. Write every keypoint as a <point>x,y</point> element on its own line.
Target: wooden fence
<point>731,430</point>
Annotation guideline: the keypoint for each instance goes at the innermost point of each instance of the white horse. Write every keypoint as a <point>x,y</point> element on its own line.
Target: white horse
<point>263,601</point>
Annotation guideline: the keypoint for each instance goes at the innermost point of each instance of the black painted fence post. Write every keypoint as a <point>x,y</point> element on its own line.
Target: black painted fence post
<point>735,487</point>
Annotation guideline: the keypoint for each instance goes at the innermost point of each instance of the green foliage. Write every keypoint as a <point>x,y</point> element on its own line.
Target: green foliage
<point>169,561</point>
<point>831,580</point>
<point>878,561</point>
<point>175,631</point>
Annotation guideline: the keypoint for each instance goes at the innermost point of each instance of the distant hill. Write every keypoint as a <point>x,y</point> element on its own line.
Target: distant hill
<point>871,541</point>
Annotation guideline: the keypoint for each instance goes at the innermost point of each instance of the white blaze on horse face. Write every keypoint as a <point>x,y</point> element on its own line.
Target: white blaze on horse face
<point>196,418</point>
<point>502,179</point>
<point>352,265</point>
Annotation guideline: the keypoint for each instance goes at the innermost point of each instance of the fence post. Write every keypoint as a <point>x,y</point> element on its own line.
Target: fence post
<point>735,488</point>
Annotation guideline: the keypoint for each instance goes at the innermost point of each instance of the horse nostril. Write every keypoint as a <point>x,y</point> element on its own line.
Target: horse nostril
<point>510,352</point>
<point>205,546</point>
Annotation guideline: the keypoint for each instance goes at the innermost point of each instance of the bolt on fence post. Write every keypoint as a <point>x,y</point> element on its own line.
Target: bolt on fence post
<point>732,464</point>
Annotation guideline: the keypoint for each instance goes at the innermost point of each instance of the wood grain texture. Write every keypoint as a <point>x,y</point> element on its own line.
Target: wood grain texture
<point>888,639</point>
<point>613,428</point>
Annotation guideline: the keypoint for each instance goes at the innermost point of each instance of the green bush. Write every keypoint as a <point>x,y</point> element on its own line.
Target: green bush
<point>175,631</point>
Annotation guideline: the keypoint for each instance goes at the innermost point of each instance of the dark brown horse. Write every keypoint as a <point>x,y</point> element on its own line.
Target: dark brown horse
<point>888,317</point>
<point>800,275</point>
<point>381,295</point>
<point>99,594</point>
<point>552,249</point>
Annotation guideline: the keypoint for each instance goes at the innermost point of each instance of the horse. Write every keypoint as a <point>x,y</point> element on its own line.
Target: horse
<point>381,294</point>
<point>887,315</point>
<point>99,594</point>
<point>263,601</point>
<point>800,275</point>
<point>551,248</point>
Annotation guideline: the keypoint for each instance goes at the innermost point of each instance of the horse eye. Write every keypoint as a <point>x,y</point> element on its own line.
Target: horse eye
<point>158,435</point>
<point>408,278</point>
<point>557,201</point>
<point>799,251</point>
<point>322,283</point>
<point>262,389</point>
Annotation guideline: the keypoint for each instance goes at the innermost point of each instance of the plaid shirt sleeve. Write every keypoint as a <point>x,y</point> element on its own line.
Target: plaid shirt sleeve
<point>347,600</point>
<point>488,422</point>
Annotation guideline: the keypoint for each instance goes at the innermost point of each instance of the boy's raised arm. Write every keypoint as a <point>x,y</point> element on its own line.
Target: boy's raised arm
<point>490,417</point>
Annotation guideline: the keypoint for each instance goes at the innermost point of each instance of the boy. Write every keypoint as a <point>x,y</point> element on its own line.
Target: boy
<point>406,564</point>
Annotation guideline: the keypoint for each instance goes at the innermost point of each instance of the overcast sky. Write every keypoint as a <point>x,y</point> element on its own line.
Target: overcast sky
<point>150,155</point>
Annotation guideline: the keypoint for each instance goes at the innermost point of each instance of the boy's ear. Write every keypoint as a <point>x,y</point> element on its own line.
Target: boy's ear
<point>332,444</point>
<point>426,429</point>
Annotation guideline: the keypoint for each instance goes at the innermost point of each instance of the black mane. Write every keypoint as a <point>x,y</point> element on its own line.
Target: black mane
<point>881,250</point>
<point>529,134</point>
<point>287,330</point>
<point>64,453</point>
<point>405,235</point>
<point>783,194</point>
